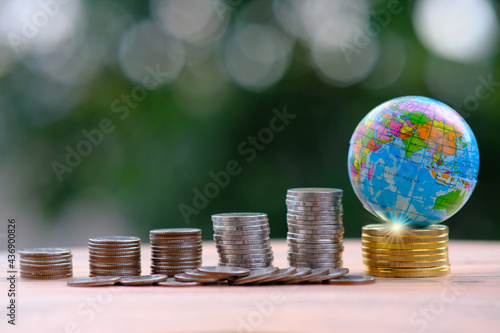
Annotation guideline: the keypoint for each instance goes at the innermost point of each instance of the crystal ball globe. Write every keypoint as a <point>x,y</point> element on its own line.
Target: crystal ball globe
<point>413,160</point>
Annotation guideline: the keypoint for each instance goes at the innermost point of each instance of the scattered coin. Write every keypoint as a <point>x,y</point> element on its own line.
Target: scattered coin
<point>333,273</point>
<point>255,276</point>
<point>143,280</point>
<point>172,282</point>
<point>93,281</point>
<point>224,272</point>
<point>314,274</point>
<point>282,273</point>
<point>299,272</point>
<point>183,277</point>
<point>352,279</point>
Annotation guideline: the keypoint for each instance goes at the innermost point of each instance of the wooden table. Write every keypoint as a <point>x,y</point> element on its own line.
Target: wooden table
<point>466,301</point>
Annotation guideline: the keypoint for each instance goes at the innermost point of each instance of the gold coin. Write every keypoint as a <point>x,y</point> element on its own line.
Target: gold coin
<point>410,257</point>
<point>397,239</point>
<point>404,231</point>
<point>408,272</point>
<point>405,264</point>
<point>411,252</point>
<point>404,246</point>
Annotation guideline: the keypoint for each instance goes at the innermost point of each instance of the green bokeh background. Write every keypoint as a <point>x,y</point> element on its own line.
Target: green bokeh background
<point>172,140</point>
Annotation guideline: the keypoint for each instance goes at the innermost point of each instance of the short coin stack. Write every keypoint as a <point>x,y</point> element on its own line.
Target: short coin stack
<point>175,250</point>
<point>315,227</point>
<point>115,256</point>
<point>242,239</point>
<point>399,251</point>
<point>45,263</point>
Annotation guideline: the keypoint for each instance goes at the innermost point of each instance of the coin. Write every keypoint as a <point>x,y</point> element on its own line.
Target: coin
<point>223,272</point>
<point>313,219</point>
<point>404,246</point>
<point>45,263</point>
<point>351,279</point>
<point>143,280</point>
<point>402,230</point>
<point>93,281</point>
<point>315,191</point>
<point>410,257</point>
<point>280,274</point>
<point>255,276</point>
<point>114,240</point>
<point>44,252</point>
<point>299,272</point>
<point>406,240</point>
<point>172,282</point>
<point>332,274</point>
<point>239,216</point>
<point>405,264</point>
<point>398,252</point>
<point>176,231</point>
<point>314,273</point>
<point>200,279</point>
<point>408,272</point>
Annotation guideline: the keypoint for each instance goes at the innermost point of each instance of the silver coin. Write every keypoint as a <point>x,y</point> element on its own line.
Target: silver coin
<point>333,273</point>
<point>142,280</point>
<point>243,254</point>
<point>246,256</point>
<point>246,261</point>
<point>316,250</point>
<point>41,252</point>
<point>249,266</point>
<point>291,240</point>
<point>313,203</point>
<point>114,239</point>
<point>333,200</point>
<point>176,231</point>
<point>314,261</point>
<point>241,224</point>
<point>93,281</point>
<point>255,276</point>
<point>243,247</point>
<point>320,220</point>
<point>330,236</point>
<point>241,237</point>
<point>315,191</point>
<point>172,282</point>
<point>297,255</point>
<point>307,209</point>
<point>238,216</point>
<point>256,233</point>
<point>237,227</point>
<point>311,229</point>
<point>331,214</point>
<point>241,242</point>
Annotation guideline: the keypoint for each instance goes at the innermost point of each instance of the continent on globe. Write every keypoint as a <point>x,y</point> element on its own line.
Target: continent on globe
<point>413,160</point>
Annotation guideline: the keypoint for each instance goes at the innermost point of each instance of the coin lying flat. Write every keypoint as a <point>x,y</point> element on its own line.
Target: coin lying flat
<point>299,272</point>
<point>282,273</point>
<point>44,252</point>
<point>408,272</point>
<point>314,274</point>
<point>351,280</point>
<point>386,230</point>
<point>143,280</point>
<point>255,276</point>
<point>183,277</point>
<point>224,272</point>
<point>331,274</point>
<point>93,281</point>
<point>172,282</point>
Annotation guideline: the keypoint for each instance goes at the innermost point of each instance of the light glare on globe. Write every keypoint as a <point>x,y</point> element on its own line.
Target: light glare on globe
<point>413,161</point>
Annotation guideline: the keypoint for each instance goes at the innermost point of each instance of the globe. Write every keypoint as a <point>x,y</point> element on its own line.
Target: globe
<point>413,160</point>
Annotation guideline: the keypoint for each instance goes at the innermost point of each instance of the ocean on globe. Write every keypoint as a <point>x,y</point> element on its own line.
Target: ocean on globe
<point>413,160</point>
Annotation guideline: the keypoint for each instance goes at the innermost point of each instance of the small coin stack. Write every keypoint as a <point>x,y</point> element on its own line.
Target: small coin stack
<point>115,256</point>
<point>315,227</point>
<point>399,251</point>
<point>175,250</point>
<point>46,264</point>
<point>242,239</point>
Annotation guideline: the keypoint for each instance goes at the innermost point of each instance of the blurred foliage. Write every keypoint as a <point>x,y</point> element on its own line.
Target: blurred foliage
<point>176,136</point>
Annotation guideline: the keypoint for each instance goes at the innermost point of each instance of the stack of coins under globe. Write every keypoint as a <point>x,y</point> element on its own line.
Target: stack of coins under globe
<point>175,250</point>
<point>242,239</point>
<point>405,252</point>
<point>315,227</point>
<point>115,256</point>
<point>46,264</point>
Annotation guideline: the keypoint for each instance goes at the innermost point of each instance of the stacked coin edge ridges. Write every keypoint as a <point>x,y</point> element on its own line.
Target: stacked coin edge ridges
<point>315,227</point>
<point>405,252</point>
<point>243,240</point>
<point>175,250</point>
<point>114,256</point>
<point>45,263</point>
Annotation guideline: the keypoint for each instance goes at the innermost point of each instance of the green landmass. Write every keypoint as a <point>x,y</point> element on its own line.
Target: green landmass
<point>450,201</point>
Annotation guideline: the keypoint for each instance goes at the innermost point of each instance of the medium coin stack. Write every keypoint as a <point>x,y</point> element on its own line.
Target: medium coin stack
<point>45,263</point>
<point>115,256</point>
<point>315,228</point>
<point>242,240</point>
<point>400,251</point>
<point>175,250</point>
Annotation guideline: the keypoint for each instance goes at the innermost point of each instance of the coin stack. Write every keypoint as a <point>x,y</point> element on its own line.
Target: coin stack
<point>175,250</point>
<point>315,227</point>
<point>399,251</point>
<point>46,264</point>
<point>242,240</point>
<point>115,256</point>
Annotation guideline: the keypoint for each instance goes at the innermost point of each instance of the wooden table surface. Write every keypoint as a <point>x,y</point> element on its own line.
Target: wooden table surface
<point>466,301</point>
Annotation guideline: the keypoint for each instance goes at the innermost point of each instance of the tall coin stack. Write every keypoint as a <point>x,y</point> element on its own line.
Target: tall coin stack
<point>46,264</point>
<point>115,256</point>
<point>175,250</point>
<point>242,240</point>
<point>315,227</point>
<point>399,251</point>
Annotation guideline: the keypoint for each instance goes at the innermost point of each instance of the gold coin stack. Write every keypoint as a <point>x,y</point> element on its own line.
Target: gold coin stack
<point>46,264</point>
<point>175,250</point>
<point>115,256</point>
<point>405,252</point>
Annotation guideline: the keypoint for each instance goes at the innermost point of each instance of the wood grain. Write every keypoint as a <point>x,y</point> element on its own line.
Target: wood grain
<point>466,301</point>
